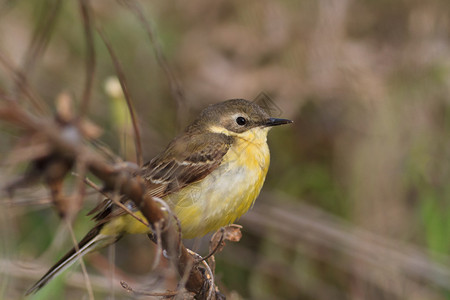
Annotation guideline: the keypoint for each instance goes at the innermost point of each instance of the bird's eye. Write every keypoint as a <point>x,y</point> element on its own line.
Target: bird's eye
<point>241,121</point>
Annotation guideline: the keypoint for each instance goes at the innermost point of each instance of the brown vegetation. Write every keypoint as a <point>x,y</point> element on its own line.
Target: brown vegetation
<point>356,202</point>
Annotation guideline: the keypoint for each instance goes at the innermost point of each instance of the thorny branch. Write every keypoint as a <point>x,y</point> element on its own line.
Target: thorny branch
<point>67,141</point>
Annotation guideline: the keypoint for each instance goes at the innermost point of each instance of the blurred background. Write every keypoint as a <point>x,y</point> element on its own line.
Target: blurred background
<point>356,204</point>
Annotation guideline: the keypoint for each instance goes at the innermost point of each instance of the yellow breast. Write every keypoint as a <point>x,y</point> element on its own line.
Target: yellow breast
<point>229,191</point>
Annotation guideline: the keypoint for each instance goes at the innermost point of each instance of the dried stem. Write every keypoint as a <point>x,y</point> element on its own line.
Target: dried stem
<point>21,84</point>
<point>90,56</point>
<point>116,202</point>
<point>175,87</point>
<point>80,258</point>
<point>218,246</point>
<point>41,37</point>
<point>38,44</point>
<point>126,93</point>
<point>168,294</point>
<point>129,185</point>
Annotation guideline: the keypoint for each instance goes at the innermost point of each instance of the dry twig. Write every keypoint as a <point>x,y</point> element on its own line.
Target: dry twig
<point>126,93</point>
<point>175,86</point>
<point>127,183</point>
<point>90,56</point>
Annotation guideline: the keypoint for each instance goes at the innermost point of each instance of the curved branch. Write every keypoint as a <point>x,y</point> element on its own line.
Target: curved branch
<point>128,184</point>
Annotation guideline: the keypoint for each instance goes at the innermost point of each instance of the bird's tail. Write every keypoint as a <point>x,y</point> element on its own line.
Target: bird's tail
<point>92,241</point>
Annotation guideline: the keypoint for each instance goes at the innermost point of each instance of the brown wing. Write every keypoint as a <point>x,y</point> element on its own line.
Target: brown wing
<point>187,159</point>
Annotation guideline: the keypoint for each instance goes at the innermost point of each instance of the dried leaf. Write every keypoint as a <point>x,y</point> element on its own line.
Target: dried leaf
<point>231,233</point>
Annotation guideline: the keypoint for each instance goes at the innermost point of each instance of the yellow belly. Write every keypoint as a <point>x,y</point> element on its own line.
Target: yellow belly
<point>217,200</point>
<point>224,195</point>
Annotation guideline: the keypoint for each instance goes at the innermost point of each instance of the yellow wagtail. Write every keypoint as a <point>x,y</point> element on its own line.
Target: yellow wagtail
<point>210,175</point>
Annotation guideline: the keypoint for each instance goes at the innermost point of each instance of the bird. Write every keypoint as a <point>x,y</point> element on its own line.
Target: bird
<point>209,176</point>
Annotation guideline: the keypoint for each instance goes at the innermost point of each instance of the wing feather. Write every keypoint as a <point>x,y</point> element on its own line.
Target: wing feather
<point>187,159</point>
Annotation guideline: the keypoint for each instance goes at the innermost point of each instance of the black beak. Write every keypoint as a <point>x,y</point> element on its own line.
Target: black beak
<point>276,122</point>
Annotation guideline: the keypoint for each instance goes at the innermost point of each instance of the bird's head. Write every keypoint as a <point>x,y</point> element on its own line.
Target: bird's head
<point>237,117</point>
